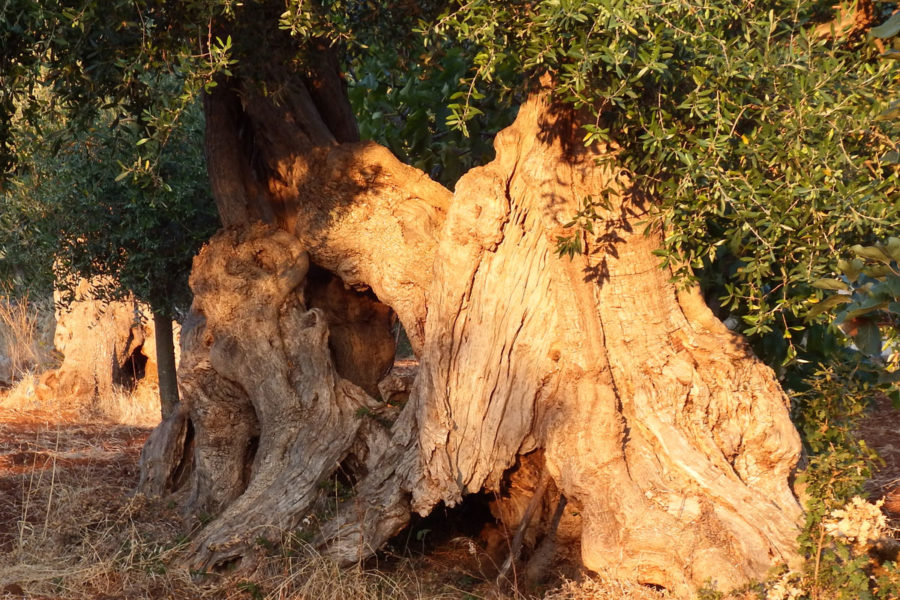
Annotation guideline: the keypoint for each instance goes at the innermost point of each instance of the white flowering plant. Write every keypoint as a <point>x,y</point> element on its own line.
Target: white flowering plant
<point>786,587</point>
<point>846,563</point>
<point>861,523</point>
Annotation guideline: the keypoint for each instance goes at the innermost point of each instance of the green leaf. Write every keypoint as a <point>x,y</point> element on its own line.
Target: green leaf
<point>891,112</point>
<point>868,338</point>
<point>420,534</point>
<point>888,29</point>
<point>866,308</point>
<point>892,248</point>
<point>870,252</point>
<point>878,271</point>
<point>826,304</point>
<point>894,395</point>
<point>851,268</point>
<point>830,284</point>
<point>889,377</point>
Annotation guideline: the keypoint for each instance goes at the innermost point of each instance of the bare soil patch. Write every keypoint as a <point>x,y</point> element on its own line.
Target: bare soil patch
<point>880,429</point>
<point>40,448</point>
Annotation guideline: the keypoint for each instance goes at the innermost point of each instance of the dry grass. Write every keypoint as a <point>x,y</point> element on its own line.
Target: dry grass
<point>26,336</point>
<point>23,396</point>
<point>85,549</point>
<point>138,408</point>
<point>70,529</point>
<point>65,488</point>
<point>605,589</point>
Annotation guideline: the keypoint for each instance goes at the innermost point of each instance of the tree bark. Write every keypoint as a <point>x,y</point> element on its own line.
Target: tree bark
<point>97,339</point>
<point>165,363</point>
<point>670,442</point>
<point>657,422</point>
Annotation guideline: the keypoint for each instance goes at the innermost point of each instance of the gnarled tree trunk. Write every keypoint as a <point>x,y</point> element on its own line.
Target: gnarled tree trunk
<point>657,423</point>
<point>592,378</point>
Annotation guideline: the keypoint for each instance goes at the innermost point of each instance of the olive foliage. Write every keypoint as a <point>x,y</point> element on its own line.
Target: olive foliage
<point>763,142</point>
<point>762,130</point>
<point>104,173</point>
<point>759,131</point>
<point>85,213</point>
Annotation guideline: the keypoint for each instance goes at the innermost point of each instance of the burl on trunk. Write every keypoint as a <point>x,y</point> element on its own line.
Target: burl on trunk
<point>592,378</point>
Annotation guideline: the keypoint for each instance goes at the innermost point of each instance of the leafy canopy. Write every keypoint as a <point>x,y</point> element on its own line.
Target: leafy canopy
<point>761,137</point>
<point>762,130</point>
<point>83,212</point>
<point>763,140</point>
<point>104,170</point>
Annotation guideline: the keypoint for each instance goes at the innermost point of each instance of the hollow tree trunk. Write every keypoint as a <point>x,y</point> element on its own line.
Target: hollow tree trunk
<point>107,348</point>
<point>657,423</point>
<point>669,440</point>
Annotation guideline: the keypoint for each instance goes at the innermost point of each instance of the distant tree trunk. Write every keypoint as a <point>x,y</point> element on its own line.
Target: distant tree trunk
<point>103,343</point>
<point>669,440</point>
<point>165,362</point>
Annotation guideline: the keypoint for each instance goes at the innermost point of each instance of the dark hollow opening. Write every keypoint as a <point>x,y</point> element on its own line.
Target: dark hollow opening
<point>362,343</point>
<point>467,521</point>
<point>133,369</point>
<point>249,456</point>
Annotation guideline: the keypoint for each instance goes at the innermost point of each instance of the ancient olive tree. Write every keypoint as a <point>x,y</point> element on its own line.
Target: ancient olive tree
<point>561,367</point>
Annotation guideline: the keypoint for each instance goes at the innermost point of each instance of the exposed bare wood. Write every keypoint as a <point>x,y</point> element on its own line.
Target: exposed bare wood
<point>671,436</point>
<point>515,546</point>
